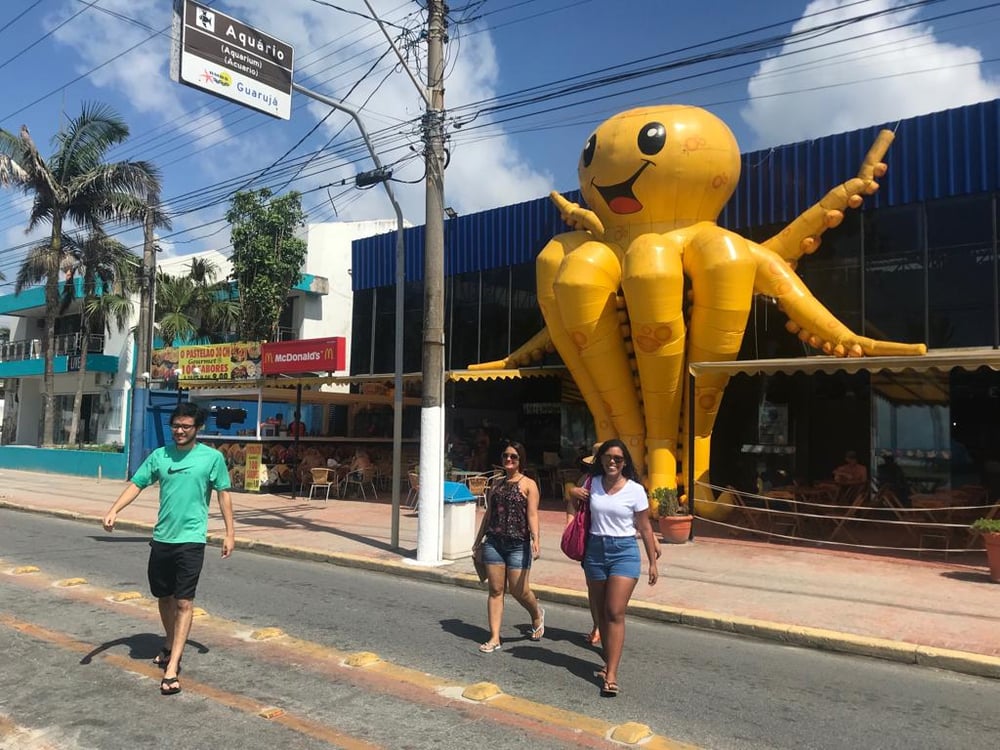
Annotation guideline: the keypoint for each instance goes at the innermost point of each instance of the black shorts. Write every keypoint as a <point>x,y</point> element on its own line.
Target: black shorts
<point>174,569</point>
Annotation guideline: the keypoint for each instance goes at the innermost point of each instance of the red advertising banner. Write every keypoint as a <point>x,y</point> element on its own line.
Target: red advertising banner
<point>307,355</point>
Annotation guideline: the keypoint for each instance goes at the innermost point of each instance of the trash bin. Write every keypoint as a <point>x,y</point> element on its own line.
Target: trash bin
<point>459,521</point>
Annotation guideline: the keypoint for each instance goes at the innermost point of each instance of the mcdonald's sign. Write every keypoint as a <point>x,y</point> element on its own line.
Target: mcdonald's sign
<point>307,355</point>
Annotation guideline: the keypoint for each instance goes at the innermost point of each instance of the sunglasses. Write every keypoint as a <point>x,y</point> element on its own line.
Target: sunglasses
<point>511,456</point>
<point>613,459</point>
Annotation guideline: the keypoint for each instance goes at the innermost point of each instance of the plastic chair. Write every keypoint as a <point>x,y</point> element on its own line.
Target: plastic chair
<point>361,478</point>
<point>414,494</point>
<point>320,478</point>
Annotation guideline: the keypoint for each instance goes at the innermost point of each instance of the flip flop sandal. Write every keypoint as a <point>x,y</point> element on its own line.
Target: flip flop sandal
<point>163,658</point>
<point>170,686</point>
<point>537,633</point>
<point>609,690</point>
<point>489,648</point>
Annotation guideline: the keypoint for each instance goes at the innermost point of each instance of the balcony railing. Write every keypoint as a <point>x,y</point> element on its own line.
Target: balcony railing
<point>65,344</point>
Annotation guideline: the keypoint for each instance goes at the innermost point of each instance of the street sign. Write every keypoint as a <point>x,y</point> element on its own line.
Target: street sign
<point>225,57</point>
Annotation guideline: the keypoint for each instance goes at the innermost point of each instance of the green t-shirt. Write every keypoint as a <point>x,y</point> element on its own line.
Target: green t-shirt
<point>186,479</point>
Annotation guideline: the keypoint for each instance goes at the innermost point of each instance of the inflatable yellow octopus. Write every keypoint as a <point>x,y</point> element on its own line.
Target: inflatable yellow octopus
<point>612,292</point>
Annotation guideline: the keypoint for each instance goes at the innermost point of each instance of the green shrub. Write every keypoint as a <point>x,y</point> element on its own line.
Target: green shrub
<point>987,525</point>
<point>666,502</point>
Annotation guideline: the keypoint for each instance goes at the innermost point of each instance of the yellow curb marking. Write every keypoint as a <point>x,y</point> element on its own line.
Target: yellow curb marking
<point>481,691</point>
<point>631,733</point>
<point>24,570</point>
<point>265,634</point>
<point>71,582</point>
<point>362,659</point>
<point>126,596</point>
<point>292,721</point>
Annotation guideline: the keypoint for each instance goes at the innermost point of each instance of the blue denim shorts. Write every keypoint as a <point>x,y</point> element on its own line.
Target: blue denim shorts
<point>611,556</point>
<point>502,550</point>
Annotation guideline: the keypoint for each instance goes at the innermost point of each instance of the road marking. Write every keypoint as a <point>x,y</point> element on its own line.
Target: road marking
<point>292,721</point>
<point>381,676</point>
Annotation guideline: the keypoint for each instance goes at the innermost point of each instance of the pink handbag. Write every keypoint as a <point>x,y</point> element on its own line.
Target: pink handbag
<point>574,538</point>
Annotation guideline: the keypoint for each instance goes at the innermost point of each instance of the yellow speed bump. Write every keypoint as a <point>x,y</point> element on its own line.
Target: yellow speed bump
<point>198,612</point>
<point>362,659</point>
<point>266,634</point>
<point>126,596</point>
<point>21,570</point>
<point>271,712</point>
<point>631,733</point>
<point>481,691</point>
<point>71,582</point>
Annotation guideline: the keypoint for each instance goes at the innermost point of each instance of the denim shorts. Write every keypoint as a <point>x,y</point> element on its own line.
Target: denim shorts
<point>502,550</point>
<point>611,556</point>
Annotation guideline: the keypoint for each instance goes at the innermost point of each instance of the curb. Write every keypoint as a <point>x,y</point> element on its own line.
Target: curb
<point>964,662</point>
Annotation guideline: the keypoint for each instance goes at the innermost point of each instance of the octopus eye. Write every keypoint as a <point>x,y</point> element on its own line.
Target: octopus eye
<point>652,137</point>
<point>588,150</point>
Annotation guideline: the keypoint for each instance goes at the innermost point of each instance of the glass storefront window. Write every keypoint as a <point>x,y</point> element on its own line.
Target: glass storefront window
<point>960,279</point>
<point>895,274</point>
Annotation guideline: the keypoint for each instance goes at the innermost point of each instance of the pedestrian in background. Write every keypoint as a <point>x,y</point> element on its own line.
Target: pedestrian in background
<point>619,510</point>
<point>508,541</point>
<point>187,471</point>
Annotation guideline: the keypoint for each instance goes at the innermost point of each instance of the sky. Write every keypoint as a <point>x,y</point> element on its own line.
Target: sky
<point>526,83</point>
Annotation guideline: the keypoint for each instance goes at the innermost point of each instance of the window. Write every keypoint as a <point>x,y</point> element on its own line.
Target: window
<point>960,279</point>
<point>894,274</point>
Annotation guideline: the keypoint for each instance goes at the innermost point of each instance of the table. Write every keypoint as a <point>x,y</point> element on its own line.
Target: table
<point>462,475</point>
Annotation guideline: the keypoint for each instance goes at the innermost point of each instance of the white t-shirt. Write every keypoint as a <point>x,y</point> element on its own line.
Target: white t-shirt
<point>614,515</point>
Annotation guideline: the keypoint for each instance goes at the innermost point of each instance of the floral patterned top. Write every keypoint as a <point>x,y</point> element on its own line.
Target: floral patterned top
<point>508,511</point>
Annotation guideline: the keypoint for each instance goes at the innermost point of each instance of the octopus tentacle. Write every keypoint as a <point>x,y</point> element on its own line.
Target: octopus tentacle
<point>802,236</point>
<point>810,319</point>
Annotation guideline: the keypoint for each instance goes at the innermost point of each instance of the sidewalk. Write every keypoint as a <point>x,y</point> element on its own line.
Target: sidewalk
<point>945,615</point>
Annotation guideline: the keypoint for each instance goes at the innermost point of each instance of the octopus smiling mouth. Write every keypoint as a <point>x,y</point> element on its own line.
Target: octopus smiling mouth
<point>620,198</point>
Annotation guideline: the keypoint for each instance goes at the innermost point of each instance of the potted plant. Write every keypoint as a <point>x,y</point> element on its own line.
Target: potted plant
<point>990,529</point>
<point>672,515</point>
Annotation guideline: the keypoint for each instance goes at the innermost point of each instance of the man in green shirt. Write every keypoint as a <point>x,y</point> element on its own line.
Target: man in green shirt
<point>187,472</point>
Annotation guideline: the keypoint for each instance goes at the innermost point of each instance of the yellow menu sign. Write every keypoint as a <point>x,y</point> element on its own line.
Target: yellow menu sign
<point>231,361</point>
<point>252,467</point>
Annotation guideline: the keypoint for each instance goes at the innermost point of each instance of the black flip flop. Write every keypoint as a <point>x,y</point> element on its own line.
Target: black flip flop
<point>163,658</point>
<point>170,686</point>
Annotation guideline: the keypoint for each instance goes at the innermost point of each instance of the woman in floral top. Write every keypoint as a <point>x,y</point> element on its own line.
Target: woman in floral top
<point>507,543</point>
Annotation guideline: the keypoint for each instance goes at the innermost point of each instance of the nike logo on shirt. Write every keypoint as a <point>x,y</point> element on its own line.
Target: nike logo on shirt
<point>172,470</point>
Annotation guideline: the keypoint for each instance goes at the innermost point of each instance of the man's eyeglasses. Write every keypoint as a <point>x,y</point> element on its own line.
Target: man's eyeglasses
<point>613,459</point>
<point>185,427</point>
<point>511,456</point>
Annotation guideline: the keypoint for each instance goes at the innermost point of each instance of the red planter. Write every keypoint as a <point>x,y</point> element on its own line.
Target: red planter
<point>676,529</point>
<point>992,541</point>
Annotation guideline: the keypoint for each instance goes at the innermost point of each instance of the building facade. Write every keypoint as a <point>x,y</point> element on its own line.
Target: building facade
<point>919,262</point>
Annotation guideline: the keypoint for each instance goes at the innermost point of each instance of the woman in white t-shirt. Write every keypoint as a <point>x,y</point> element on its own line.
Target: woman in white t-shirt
<point>619,509</point>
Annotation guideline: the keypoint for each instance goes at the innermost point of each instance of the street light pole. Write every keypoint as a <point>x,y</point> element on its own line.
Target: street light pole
<point>431,502</point>
<point>397,397</point>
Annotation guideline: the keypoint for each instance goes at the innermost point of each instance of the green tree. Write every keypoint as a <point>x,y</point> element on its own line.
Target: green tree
<point>195,306</point>
<point>267,257</point>
<point>110,274</point>
<point>75,185</point>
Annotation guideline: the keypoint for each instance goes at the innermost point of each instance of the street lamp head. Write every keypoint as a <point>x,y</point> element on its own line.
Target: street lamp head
<point>450,212</point>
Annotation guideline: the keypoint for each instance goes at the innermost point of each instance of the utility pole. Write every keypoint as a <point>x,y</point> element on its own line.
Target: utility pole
<point>143,341</point>
<point>431,502</point>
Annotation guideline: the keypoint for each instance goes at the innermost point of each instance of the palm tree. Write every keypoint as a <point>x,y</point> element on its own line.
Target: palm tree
<point>110,272</point>
<point>195,305</point>
<point>74,185</point>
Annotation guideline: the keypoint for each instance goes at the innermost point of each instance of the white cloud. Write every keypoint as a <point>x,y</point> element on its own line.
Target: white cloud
<point>877,71</point>
<point>333,51</point>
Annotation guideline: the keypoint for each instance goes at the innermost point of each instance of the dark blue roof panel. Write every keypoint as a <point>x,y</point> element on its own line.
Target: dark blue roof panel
<point>950,153</point>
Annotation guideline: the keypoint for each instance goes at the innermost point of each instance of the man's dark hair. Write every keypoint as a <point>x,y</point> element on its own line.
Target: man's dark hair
<point>187,409</point>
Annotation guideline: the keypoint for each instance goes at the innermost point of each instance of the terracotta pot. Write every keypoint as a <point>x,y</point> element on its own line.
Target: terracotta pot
<point>675,529</point>
<point>992,541</point>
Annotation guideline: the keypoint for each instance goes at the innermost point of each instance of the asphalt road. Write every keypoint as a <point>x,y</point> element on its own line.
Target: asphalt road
<point>74,666</point>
